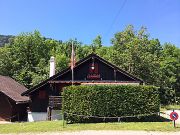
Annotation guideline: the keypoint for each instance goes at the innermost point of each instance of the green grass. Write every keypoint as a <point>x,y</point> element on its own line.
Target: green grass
<point>53,126</point>
<point>170,107</point>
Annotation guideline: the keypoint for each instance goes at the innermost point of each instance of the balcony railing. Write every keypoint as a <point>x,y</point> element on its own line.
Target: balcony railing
<point>55,102</point>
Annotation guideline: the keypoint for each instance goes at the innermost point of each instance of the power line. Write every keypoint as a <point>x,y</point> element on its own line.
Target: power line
<point>115,18</point>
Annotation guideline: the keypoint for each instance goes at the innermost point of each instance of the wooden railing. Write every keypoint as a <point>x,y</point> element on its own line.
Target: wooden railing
<point>55,102</point>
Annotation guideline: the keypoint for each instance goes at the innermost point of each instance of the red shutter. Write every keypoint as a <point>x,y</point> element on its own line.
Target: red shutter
<point>91,71</point>
<point>96,68</point>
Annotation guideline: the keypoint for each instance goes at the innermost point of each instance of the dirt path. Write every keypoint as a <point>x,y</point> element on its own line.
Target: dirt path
<point>4,122</point>
<point>91,132</point>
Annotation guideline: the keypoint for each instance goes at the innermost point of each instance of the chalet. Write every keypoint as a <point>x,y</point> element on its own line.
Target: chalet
<point>12,104</point>
<point>88,71</point>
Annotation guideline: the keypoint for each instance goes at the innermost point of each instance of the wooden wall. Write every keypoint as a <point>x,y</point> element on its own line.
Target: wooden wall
<point>106,72</point>
<point>5,108</point>
<point>10,111</point>
<point>40,99</point>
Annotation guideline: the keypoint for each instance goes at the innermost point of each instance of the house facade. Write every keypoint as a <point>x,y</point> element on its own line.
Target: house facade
<point>13,106</point>
<point>92,70</point>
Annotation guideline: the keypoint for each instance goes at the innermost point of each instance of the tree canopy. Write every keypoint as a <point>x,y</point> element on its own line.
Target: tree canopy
<point>26,56</point>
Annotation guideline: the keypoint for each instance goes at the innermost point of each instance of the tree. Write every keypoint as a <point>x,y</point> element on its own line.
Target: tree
<point>26,57</point>
<point>137,54</point>
<point>97,43</point>
<point>170,67</point>
<point>22,57</point>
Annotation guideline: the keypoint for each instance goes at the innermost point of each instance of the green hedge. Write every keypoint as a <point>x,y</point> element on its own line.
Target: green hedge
<point>108,101</point>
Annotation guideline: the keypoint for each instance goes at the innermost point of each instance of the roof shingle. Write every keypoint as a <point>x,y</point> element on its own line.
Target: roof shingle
<point>12,89</point>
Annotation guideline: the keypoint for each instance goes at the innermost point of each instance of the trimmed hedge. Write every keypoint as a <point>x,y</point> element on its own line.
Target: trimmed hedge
<point>108,101</point>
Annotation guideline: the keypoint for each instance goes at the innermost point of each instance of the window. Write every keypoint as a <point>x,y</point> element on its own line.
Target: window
<point>93,69</point>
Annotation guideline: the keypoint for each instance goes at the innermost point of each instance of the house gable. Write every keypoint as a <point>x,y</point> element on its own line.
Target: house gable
<point>97,70</point>
<point>103,71</point>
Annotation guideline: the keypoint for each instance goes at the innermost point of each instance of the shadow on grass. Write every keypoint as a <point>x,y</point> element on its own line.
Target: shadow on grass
<point>152,118</point>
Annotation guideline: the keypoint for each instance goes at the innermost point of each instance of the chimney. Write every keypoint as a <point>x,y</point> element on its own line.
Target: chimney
<point>52,66</point>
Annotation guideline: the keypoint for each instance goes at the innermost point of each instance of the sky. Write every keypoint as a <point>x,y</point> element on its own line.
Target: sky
<point>85,19</point>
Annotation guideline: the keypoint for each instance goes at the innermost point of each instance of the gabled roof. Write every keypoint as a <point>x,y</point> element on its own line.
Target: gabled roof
<point>12,89</point>
<point>78,64</point>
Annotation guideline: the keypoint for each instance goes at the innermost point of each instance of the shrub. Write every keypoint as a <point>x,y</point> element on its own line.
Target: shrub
<point>167,95</point>
<point>108,101</point>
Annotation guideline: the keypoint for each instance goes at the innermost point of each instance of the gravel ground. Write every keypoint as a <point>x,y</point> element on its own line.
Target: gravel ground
<point>4,122</point>
<point>91,132</point>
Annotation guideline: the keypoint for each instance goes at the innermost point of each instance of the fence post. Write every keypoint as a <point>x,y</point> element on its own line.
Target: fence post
<point>174,122</point>
<point>118,119</point>
<point>63,118</point>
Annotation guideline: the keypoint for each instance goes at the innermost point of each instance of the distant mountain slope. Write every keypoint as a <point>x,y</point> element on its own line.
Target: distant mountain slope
<point>4,39</point>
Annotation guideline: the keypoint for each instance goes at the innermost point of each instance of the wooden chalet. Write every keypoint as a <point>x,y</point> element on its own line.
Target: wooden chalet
<point>12,105</point>
<point>88,71</point>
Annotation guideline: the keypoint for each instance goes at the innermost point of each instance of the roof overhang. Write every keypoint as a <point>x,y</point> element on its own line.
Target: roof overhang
<point>22,102</point>
<point>15,100</point>
<point>94,82</point>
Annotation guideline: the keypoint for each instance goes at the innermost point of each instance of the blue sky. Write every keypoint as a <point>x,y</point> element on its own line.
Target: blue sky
<point>85,19</point>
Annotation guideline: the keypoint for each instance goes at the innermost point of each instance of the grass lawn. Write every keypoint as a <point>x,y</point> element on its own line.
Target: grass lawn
<point>54,126</point>
<point>170,107</point>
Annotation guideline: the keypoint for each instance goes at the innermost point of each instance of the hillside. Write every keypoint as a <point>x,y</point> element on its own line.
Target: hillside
<point>4,39</point>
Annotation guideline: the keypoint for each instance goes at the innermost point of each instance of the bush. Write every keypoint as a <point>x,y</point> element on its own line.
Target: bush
<point>167,95</point>
<point>108,101</point>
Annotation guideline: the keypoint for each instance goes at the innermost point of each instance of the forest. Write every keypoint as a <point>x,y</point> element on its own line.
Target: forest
<point>26,56</point>
<point>4,39</point>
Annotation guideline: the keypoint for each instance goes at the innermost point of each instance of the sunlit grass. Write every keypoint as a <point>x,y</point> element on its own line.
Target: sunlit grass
<point>170,107</point>
<point>53,126</point>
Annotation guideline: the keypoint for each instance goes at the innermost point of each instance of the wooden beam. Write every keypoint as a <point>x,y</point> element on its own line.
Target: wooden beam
<point>93,81</point>
<point>112,83</point>
<point>115,74</point>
